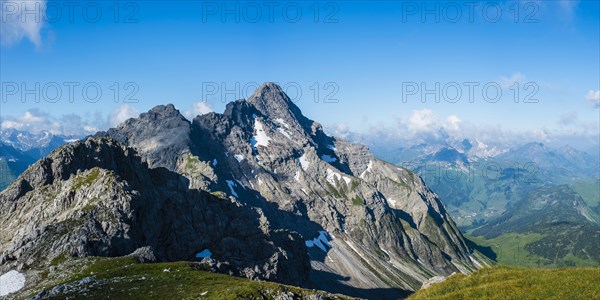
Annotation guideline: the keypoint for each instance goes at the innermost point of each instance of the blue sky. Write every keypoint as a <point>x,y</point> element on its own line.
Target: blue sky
<point>365,53</point>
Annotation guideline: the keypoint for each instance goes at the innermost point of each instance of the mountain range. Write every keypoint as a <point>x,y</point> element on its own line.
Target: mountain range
<point>259,191</point>
<point>533,204</point>
<point>20,149</point>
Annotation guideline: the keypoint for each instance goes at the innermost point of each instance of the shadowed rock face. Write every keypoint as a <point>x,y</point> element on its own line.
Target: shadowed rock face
<point>97,198</point>
<point>368,225</point>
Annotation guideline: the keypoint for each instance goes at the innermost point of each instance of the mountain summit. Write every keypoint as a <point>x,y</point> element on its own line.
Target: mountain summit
<point>367,228</point>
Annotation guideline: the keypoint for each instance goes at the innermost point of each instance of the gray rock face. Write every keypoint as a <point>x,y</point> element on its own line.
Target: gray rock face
<point>98,198</point>
<point>372,229</point>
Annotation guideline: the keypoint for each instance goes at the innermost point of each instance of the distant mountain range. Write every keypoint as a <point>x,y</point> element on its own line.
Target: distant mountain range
<point>493,196</point>
<point>19,149</point>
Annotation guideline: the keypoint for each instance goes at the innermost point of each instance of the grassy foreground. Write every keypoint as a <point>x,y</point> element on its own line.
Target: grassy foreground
<point>125,278</point>
<point>517,283</point>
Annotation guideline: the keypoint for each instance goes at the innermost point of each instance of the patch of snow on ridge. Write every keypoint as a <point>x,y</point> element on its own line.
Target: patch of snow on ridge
<point>332,176</point>
<point>332,147</point>
<point>347,180</point>
<point>261,138</point>
<point>282,122</point>
<point>285,133</point>
<point>303,162</point>
<point>231,184</point>
<point>239,157</point>
<point>11,282</point>
<point>321,241</point>
<point>297,176</point>
<point>328,158</point>
<point>369,168</point>
<point>205,253</point>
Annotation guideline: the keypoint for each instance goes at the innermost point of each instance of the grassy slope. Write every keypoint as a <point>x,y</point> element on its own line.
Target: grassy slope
<point>510,249</point>
<point>517,283</point>
<point>124,278</point>
<point>589,191</point>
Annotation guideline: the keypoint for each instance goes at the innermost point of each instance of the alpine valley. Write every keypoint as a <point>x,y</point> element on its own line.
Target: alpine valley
<point>529,205</point>
<point>256,202</point>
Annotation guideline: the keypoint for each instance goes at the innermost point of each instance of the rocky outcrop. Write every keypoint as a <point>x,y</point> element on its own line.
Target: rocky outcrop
<point>98,198</point>
<point>372,229</point>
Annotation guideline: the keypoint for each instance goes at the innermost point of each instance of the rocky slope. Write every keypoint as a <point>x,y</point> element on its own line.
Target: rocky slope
<point>98,198</point>
<point>371,229</point>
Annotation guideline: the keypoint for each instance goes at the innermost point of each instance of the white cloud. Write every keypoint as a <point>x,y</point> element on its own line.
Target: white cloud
<point>22,19</point>
<point>199,108</point>
<point>423,120</point>
<point>507,82</point>
<point>122,113</point>
<point>593,97</point>
<point>34,121</point>
<point>340,130</point>
<point>453,123</point>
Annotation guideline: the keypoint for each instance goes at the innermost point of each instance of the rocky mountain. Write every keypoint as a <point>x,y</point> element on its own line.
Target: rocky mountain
<point>261,189</point>
<point>97,198</point>
<point>370,227</point>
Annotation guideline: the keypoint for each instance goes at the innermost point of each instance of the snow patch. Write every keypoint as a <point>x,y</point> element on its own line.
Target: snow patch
<point>214,162</point>
<point>391,202</point>
<point>328,158</point>
<point>319,241</point>
<point>239,157</point>
<point>285,133</point>
<point>282,122</point>
<point>369,168</point>
<point>303,162</point>
<point>204,254</point>
<point>11,282</point>
<point>261,138</point>
<point>231,184</point>
<point>297,176</point>
<point>332,176</point>
<point>347,180</point>
<point>332,147</point>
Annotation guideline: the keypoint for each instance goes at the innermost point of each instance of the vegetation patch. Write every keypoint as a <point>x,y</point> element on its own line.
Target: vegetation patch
<point>125,278</point>
<point>357,201</point>
<point>517,283</point>
<point>86,180</point>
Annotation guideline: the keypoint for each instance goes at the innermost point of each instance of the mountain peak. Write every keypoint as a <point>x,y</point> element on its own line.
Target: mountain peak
<point>271,100</point>
<point>163,111</point>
